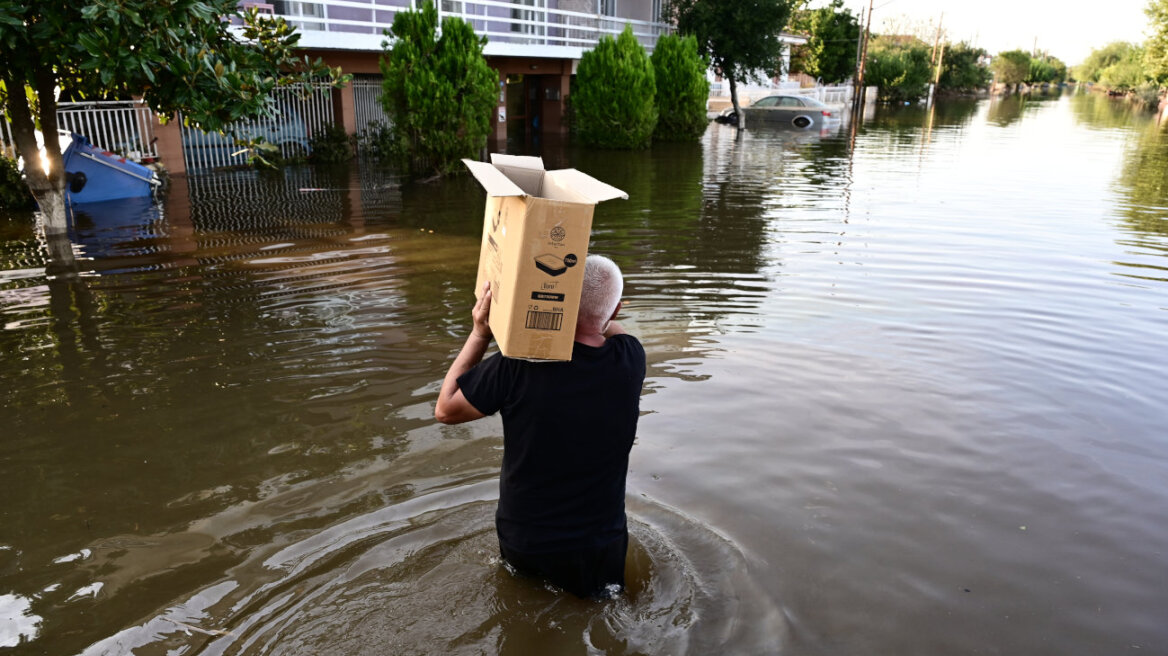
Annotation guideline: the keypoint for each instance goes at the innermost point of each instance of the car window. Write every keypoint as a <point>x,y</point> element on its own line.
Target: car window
<point>789,101</point>
<point>766,102</point>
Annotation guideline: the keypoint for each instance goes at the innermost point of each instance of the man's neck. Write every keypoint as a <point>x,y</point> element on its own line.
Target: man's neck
<point>589,336</point>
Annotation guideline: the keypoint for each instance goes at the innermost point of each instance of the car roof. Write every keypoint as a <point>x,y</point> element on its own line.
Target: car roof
<point>807,99</point>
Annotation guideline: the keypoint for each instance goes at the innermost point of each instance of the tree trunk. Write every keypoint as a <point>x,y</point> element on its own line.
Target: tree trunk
<point>47,188</point>
<point>740,118</point>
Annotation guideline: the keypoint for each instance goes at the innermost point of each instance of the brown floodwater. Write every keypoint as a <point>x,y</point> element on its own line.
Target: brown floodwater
<point>906,395</point>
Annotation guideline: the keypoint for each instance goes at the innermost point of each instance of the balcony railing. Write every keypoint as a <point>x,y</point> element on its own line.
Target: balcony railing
<point>500,21</point>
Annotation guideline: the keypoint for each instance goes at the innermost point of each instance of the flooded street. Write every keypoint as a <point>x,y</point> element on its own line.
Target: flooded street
<point>906,395</point>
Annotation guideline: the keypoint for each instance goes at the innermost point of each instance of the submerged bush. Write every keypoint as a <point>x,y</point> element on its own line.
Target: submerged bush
<point>682,89</point>
<point>331,145</point>
<point>614,102</point>
<point>14,194</point>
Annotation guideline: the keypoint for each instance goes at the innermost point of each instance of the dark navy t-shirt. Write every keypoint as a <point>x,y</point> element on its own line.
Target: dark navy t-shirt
<point>567,431</point>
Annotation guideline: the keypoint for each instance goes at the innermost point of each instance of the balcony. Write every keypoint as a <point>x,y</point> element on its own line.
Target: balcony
<point>520,28</point>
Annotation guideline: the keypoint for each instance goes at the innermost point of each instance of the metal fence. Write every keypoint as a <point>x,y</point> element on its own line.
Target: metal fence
<point>367,102</point>
<point>302,110</point>
<point>7,145</point>
<point>125,127</point>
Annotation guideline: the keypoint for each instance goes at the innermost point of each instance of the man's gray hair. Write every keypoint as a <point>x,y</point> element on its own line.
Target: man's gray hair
<point>603,286</point>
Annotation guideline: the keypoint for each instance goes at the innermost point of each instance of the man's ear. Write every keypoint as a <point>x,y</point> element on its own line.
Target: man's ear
<point>616,311</point>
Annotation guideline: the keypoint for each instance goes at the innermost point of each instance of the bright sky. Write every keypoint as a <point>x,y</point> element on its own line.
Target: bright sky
<point>1068,29</point>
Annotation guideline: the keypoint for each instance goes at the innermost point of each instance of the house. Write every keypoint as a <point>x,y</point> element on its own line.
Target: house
<point>535,45</point>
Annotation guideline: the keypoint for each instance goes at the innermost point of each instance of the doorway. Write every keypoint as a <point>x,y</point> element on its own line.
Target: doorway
<point>524,110</point>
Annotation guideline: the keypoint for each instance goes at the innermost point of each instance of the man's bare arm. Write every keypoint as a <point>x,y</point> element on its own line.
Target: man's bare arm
<point>452,406</point>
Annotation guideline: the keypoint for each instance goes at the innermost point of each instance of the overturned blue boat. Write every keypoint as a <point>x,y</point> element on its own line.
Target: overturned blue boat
<point>93,175</point>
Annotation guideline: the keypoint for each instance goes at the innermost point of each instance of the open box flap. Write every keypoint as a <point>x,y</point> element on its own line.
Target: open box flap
<point>584,185</point>
<point>517,161</point>
<point>492,179</point>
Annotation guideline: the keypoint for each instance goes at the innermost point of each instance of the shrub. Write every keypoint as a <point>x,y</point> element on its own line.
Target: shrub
<point>615,94</point>
<point>439,91</point>
<point>682,89</point>
<point>14,194</point>
<point>376,141</point>
<point>899,68</point>
<point>961,69</point>
<point>1011,67</point>
<point>331,145</point>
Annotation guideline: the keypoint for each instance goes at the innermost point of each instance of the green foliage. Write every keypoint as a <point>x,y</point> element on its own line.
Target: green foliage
<point>899,67</point>
<point>331,145</point>
<point>740,38</point>
<point>180,56</point>
<point>961,69</point>
<point>830,52</point>
<point>1046,70</point>
<point>1156,47</point>
<point>376,141</point>
<point>1125,74</point>
<point>615,94</point>
<point>438,90</point>
<point>1101,58</point>
<point>1147,94</point>
<point>1012,67</point>
<point>13,192</point>
<point>682,89</point>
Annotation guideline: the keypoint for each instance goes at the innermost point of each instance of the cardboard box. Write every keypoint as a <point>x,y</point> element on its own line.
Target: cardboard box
<point>536,230</point>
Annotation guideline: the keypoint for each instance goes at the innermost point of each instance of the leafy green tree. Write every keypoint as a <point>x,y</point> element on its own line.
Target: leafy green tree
<point>438,91</point>
<point>1046,70</point>
<point>1101,58</point>
<point>740,37</point>
<point>1012,67</point>
<point>899,67</point>
<point>615,97</point>
<point>1127,73</point>
<point>961,68</point>
<point>180,56</point>
<point>830,51</point>
<point>682,89</point>
<point>1156,47</point>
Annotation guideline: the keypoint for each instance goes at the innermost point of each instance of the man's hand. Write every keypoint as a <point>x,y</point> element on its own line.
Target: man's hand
<point>452,406</point>
<point>481,314</point>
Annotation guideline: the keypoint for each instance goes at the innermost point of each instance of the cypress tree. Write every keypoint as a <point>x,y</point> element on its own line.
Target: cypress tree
<point>682,89</point>
<point>615,94</point>
<point>438,91</point>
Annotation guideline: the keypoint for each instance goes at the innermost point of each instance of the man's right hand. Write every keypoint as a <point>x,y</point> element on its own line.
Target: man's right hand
<point>481,314</point>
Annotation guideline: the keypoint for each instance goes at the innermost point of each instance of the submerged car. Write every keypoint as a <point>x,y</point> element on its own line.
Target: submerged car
<point>796,111</point>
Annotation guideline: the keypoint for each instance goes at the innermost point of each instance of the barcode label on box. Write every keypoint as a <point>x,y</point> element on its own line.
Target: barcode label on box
<point>544,320</point>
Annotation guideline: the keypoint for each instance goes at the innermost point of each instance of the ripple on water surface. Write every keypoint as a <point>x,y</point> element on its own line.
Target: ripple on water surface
<point>424,577</point>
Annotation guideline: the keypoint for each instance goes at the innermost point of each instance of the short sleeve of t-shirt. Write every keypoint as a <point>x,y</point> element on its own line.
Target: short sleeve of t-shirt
<point>486,385</point>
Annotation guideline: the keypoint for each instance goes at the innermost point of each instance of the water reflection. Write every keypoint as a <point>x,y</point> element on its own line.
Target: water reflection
<point>1144,180</point>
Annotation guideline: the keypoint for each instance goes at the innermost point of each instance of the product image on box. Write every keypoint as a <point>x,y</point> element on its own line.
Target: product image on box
<point>550,264</point>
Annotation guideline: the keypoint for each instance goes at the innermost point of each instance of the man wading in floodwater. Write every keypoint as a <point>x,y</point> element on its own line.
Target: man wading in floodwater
<point>567,431</point>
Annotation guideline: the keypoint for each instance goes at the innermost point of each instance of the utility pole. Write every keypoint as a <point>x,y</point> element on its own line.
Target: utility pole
<point>940,59</point>
<point>937,39</point>
<point>858,100</point>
